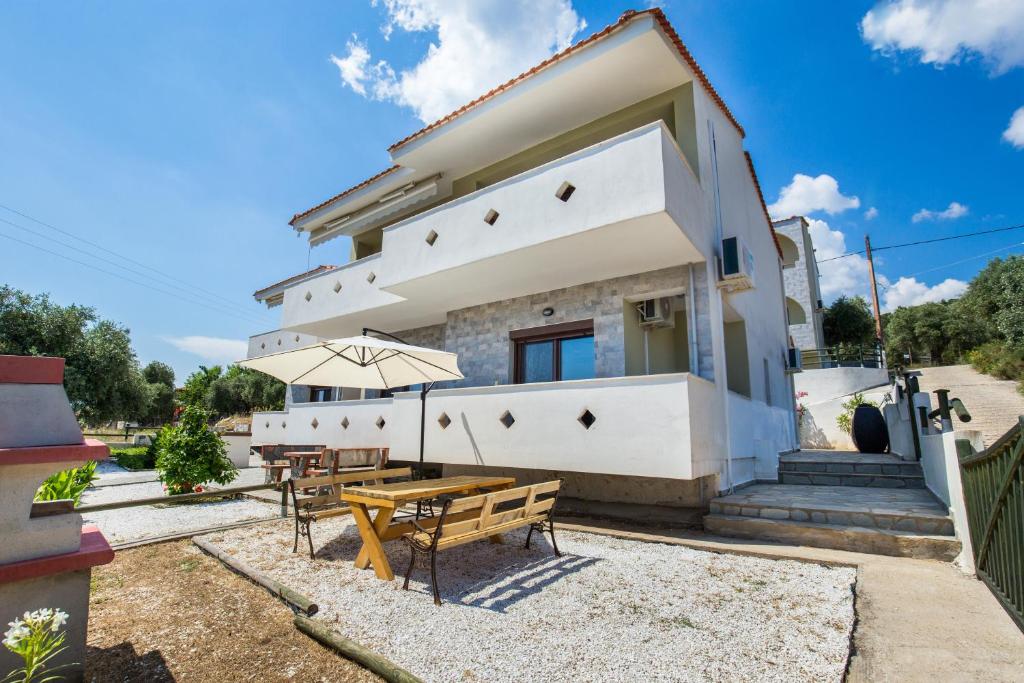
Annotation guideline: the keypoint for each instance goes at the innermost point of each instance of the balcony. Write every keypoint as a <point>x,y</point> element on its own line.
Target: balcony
<point>276,341</point>
<point>626,205</point>
<point>650,426</point>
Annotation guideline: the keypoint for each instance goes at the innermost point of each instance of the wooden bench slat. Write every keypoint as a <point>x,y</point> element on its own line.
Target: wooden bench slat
<point>451,541</point>
<point>353,477</point>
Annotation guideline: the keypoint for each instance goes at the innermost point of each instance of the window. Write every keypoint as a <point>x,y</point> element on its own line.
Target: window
<point>554,352</point>
<point>319,394</point>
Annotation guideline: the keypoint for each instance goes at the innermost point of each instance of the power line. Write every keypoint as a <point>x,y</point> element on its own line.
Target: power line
<point>148,267</point>
<point>213,305</point>
<point>963,260</point>
<point>118,275</point>
<point>931,241</point>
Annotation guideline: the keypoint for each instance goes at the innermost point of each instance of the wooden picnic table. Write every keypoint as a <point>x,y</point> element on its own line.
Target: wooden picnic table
<point>303,459</point>
<point>387,498</point>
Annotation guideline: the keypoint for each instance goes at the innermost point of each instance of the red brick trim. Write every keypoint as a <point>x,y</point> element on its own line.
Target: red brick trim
<point>31,370</point>
<point>93,552</point>
<point>764,207</point>
<point>344,193</point>
<point>91,449</point>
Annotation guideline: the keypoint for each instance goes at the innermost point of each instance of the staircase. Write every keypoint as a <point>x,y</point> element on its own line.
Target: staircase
<point>842,500</point>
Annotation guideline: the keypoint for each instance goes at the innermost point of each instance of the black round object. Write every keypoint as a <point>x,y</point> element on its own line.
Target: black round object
<point>870,433</point>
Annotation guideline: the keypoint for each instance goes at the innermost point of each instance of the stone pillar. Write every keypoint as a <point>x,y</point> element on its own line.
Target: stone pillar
<point>701,299</point>
<point>47,556</point>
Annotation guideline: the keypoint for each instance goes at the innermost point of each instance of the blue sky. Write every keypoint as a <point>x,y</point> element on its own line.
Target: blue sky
<point>184,135</point>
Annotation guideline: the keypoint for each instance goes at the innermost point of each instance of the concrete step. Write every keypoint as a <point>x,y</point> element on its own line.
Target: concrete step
<point>911,510</point>
<point>852,538</point>
<point>881,481</point>
<point>848,468</point>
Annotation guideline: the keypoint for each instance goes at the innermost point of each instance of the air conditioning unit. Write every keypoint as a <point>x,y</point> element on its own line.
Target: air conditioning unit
<point>794,361</point>
<point>736,266</point>
<point>656,312</point>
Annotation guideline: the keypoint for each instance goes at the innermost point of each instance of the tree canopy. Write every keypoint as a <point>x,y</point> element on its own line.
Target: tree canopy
<point>848,321</point>
<point>237,391</point>
<point>101,375</point>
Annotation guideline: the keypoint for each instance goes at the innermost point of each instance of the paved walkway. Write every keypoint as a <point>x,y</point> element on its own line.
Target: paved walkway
<point>900,502</point>
<point>994,404</point>
<point>917,620</point>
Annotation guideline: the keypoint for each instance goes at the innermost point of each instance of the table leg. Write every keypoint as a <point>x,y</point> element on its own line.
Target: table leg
<point>372,547</point>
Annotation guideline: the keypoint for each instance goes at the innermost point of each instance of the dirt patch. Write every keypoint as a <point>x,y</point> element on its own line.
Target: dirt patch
<point>168,612</point>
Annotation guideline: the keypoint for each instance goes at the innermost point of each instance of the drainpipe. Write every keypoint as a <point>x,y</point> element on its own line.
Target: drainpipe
<point>721,379</point>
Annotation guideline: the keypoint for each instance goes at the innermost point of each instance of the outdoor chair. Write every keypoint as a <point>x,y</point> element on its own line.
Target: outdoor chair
<point>473,518</point>
<point>329,504</point>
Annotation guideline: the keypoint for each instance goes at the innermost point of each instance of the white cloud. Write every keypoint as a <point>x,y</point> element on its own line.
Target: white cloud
<point>871,214</point>
<point>847,275</point>
<point>1014,133</point>
<point>806,195</point>
<point>944,32</point>
<point>908,291</point>
<point>212,349</point>
<point>954,210</point>
<point>353,67</point>
<point>480,44</point>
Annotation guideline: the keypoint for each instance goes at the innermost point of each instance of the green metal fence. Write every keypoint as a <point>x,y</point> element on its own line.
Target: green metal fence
<point>994,490</point>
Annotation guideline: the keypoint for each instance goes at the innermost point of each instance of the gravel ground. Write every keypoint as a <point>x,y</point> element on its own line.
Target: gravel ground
<point>150,521</point>
<point>115,489</point>
<point>608,609</point>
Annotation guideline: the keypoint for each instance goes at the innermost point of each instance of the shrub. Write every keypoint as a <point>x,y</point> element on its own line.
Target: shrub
<point>68,484</point>
<point>996,359</point>
<point>190,454</point>
<point>135,458</point>
<point>845,419</point>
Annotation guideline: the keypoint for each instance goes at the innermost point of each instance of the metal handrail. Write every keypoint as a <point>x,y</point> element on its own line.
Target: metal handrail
<point>838,357</point>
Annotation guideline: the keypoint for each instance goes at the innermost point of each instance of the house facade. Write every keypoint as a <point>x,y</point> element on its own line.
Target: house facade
<point>591,240</point>
<point>804,305</point>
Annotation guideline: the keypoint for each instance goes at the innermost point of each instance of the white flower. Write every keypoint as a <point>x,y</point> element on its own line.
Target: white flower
<point>16,633</point>
<point>59,619</point>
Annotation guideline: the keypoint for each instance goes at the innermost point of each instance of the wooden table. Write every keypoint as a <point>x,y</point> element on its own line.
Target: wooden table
<point>302,459</point>
<point>387,498</point>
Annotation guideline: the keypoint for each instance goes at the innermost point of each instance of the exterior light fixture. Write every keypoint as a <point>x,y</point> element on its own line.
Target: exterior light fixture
<point>548,312</point>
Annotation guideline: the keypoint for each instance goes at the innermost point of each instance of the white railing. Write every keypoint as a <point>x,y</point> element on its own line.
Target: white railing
<point>636,206</point>
<point>335,424</point>
<point>651,426</point>
<point>278,340</point>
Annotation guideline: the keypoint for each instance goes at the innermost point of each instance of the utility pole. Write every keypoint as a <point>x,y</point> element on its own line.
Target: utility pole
<point>874,289</point>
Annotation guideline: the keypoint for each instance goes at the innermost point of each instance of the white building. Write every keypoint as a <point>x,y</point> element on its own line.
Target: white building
<point>804,306</point>
<point>524,232</point>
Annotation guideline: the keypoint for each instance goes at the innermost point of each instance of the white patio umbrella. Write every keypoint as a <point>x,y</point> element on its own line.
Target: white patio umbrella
<point>362,362</point>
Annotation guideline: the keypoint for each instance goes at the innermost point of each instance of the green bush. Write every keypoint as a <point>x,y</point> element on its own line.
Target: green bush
<point>190,455</point>
<point>845,419</point>
<point>134,458</point>
<point>997,360</point>
<point>68,484</point>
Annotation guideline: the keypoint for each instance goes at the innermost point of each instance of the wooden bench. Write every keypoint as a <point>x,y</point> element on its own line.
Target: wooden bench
<point>309,509</point>
<point>473,518</point>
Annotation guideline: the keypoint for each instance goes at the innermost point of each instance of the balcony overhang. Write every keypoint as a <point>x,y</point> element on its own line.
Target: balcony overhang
<point>635,63</point>
<point>637,245</point>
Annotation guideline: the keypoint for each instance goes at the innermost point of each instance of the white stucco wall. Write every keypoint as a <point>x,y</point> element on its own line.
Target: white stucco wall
<point>941,467</point>
<point>643,426</point>
<point>827,389</point>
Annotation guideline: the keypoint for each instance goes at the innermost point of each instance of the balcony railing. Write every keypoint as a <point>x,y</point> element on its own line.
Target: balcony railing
<point>648,426</point>
<point>626,205</point>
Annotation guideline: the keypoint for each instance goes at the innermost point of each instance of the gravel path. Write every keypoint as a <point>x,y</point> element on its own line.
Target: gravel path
<point>150,521</point>
<point>994,404</point>
<point>609,609</point>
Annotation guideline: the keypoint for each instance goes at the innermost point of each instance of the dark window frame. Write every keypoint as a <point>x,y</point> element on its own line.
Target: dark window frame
<point>315,391</point>
<point>555,333</point>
